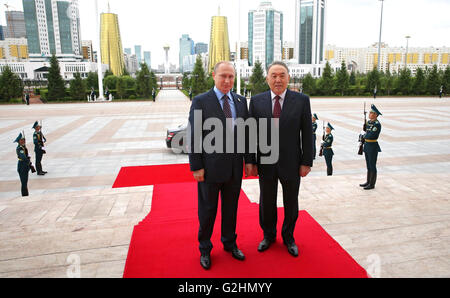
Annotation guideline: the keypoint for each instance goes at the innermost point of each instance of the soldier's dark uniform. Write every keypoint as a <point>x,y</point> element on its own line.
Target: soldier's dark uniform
<point>314,126</point>
<point>39,140</point>
<point>154,95</point>
<point>23,165</point>
<point>328,152</point>
<point>371,149</point>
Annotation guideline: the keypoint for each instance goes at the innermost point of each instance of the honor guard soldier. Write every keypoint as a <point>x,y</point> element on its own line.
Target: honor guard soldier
<point>154,94</point>
<point>327,147</point>
<point>371,147</point>
<point>39,148</point>
<point>24,164</point>
<point>314,125</point>
<point>441,91</point>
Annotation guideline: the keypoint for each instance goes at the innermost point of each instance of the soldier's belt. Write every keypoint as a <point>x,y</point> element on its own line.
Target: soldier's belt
<point>328,148</point>
<point>371,141</point>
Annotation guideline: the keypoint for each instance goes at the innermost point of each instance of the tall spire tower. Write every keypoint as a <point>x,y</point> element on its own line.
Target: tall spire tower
<point>111,43</point>
<point>219,47</point>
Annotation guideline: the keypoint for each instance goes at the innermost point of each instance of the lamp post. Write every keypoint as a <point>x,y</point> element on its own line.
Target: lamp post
<point>379,41</point>
<point>407,48</point>
<point>99,54</point>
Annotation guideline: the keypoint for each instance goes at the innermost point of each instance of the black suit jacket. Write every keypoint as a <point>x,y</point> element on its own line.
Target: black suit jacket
<point>219,167</point>
<point>295,138</point>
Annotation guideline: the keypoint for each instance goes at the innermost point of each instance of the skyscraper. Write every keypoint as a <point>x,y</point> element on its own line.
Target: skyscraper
<point>219,47</point>
<point>138,53</point>
<point>2,35</point>
<point>310,31</point>
<point>186,49</point>
<point>265,34</point>
<point>111,43</point>
<point>52,27</point>
<point>201,48</point>
<point>15,24</point>
<point>127,51</point>
<point>148,59</point>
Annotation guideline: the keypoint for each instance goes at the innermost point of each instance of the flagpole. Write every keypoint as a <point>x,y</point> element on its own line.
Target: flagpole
<point>99,54</point>
<point>238,68</point>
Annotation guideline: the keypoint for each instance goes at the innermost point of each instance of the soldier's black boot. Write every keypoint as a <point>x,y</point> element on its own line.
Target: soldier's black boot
<point>330,172</point>
<point>372,181</point>
<point>368,179</point>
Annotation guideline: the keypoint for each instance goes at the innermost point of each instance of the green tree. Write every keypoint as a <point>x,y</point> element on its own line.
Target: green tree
<point>92,80</point>
<point>404,81</point>
<point>352,79</point>
<point>258,82</point>
<point>198,79</point>
<point>143,82</point>
<point>10,85</point>
<point>433,81</point>
<point>185,81</point>
<point>120,87</point>
<point>110,82</point>
<point>56,85</point>
<point>108,73</point>
<point>326,83</point>
<point>388,82</point>
<point>309,85</point>
<point>77,87</point>
<point>342,79</point>
<point>373,80</point>
<point>419,84</point>
<point>446,80</point>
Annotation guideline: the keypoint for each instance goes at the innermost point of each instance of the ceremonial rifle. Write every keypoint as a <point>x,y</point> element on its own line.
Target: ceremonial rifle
<point>362,141</point>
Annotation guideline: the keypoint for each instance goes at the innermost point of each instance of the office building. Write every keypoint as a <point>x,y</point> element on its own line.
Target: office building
<point>111,43</point>
<point>127,51</point>
<point>219,47</point>
<point>2,32</point>
<point>310,18</point>
<point>87,50</point>
<point>14,49</point>
<point>138,53</point>
<point>265,35</point>
<point>15,24</point>
<point>201,48</point>
<point>186,49</point>
<point>53,27</point>
<point>148,59</point>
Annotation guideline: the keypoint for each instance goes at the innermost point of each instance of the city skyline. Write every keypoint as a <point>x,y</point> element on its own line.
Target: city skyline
<point>424,20</point>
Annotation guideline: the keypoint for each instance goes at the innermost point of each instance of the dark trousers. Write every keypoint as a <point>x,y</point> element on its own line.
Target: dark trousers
<point>39,155</point>
<point>23,174</point>
<point>371,160</point>
<point>328,154</point>
<point>208,200</point>
<point>268,207</point>
<point>314,146</point>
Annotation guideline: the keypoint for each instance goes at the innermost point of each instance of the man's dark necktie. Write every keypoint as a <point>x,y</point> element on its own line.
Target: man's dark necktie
<point>277,108</point>
<point>226,107</point>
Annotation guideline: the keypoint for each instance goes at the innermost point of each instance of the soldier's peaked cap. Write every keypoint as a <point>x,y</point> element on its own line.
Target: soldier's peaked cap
<point>20,137</point>
<point>36,124</point>
<point>375,110</point>
<point>330,126</point>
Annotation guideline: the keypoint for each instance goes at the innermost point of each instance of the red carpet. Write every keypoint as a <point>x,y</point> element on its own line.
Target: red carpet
<point>164,245</point>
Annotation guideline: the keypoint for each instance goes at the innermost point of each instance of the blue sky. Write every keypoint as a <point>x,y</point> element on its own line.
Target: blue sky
<point>352,23</point>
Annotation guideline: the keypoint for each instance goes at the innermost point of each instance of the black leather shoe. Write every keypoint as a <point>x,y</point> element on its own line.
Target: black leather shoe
<point>205,261</point>
<point>44,172</point>
<point>236,253</point>
<point>292,249</point>
<point>265,244</point>
<point>41,174</point>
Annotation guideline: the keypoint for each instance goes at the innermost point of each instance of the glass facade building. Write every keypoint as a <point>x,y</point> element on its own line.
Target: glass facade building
<point>52,27</point>
<point>219,47</point>
<point>148,59</point>
<point>201,48</point>
<point>138,53</point>
<point>111,43</point>
<point>186,49</point>
<point>15,24</point>
<point>265,35</point>
<point>310,31</point>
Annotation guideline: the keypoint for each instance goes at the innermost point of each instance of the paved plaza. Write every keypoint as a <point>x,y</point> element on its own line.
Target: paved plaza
<point>73,216</point>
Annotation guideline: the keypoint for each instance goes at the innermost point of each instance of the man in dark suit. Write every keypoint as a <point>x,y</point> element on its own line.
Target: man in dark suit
<point>218,171</point>
<point>291,114</point>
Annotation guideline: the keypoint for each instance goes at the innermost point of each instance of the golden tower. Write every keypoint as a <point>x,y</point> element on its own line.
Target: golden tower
<point>219,47</point>
<point>111,43</point>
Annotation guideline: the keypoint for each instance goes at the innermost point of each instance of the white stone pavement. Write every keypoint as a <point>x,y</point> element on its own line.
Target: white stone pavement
<point>72,211</point>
